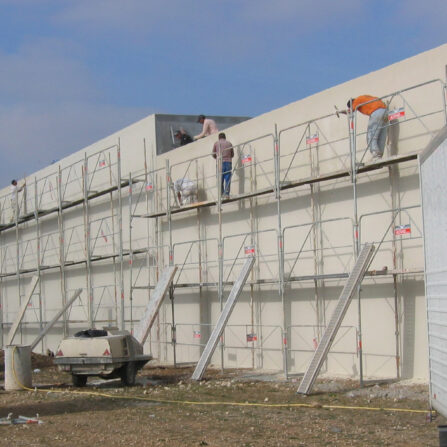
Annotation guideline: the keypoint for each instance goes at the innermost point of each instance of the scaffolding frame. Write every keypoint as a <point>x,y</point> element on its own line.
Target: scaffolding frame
<point>153,189</point>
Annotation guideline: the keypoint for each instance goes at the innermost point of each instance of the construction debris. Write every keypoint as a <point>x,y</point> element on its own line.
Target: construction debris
<point>10,420</point>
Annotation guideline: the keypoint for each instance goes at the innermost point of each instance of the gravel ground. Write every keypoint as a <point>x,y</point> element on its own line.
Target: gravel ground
<point>237,408</point>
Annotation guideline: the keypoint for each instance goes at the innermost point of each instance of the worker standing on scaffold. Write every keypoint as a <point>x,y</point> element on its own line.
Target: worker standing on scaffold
<point>377,129</point>
<point>223,148</point>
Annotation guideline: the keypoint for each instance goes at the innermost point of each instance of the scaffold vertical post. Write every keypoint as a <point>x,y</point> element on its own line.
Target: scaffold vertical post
<point>120,237</point>
<point>280,247</point>
<point>220,251</point>
<point>16,228</point>
<point>38,257</point>
<point>444,96</point>
<point>171,261</point>
<point>130,253</point>
<point>60,224</point>
<point>316,220</point>
<point>253,243</point>
<point>353,148</point>
<point>87,242</point>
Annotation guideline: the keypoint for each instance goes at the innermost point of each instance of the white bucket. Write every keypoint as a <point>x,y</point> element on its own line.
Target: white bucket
<point>17,367</point>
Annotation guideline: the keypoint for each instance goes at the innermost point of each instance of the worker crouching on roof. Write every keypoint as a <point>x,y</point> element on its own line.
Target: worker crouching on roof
<point>224,149</point>
<point>183,137</point>
<point>209,127</point>
<point>377,128</point>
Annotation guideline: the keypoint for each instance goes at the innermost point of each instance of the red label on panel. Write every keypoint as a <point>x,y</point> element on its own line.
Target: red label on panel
<point>402,229</point>
<point>312,139</point>
<point>249,250</point>
<point>397,113</point>
<point>251,337</point>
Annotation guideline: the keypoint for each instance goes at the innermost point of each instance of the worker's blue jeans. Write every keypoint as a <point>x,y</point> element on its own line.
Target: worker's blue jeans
<point>226,177</point>
<point>376,134</point>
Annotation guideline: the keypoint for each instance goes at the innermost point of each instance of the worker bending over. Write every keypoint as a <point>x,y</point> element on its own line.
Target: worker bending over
<point>377,128</point>
<point>209,127</point>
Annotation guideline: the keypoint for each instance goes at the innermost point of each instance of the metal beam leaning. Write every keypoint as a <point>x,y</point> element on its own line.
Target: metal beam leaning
<point>145,324</point>
<point>347,293</point>
<point>15,326</point>
<point>223,318</point>
<point>55,318</point>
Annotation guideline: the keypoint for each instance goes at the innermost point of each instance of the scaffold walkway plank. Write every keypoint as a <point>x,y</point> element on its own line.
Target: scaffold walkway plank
<point>142,330</point>
<point>331,330</point>
<point>223,318</point>
<point>65,205</point>
<point>367,167</point>
<point>327,276</point>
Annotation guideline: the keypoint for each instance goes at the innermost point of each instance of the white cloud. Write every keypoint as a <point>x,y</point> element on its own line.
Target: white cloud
<point>213,32</point>
<point>114,16</point>
<point>423,23</point>
<point>51,106</point>
<point>436,10</point>
<point>134,14</point>
<point>44,70</point>
<point>305,14</point>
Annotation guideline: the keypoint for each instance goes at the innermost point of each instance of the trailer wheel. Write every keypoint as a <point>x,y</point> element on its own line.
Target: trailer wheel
<point>79,381</point>
<point>128,374</point>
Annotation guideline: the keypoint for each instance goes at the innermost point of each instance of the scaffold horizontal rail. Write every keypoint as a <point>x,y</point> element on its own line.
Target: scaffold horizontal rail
<point>65,205</point>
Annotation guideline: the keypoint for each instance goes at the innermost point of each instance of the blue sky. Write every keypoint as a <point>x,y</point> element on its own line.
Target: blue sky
<point>74,71</point>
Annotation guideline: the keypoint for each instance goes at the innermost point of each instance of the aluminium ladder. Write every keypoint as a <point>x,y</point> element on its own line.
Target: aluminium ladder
<point>223,318</point>
<point>331,330</point>
<point>146,322</point>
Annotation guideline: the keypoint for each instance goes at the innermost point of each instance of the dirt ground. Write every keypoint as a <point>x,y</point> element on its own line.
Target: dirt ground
<point>236,408</point>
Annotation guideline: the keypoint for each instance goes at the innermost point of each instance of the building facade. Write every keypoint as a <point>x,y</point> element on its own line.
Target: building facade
<point>305,197</point>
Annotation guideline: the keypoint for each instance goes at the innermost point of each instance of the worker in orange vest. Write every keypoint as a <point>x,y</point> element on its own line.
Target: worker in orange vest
<point>377,129</point>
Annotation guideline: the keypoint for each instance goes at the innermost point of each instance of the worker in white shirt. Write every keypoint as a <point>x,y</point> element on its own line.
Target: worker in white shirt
<point>209,127</point>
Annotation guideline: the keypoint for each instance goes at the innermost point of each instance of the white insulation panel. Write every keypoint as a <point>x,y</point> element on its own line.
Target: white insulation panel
<point>433,164</point>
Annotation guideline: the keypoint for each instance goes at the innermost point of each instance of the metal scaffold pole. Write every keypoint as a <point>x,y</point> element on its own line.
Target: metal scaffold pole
<point>130,254</point>
<point>38,256</point>
<point>87,243</point>
<point>60,222</point>
<point>203,303</point>
<point>280,244</point>
<point>171,261</point>
<point>16,228</point>
<point>114,242</point>
<point>253,243</point>
<point>220,249</point>
<point>353,148</point>
<point>395,244</point>
<point>120,238</point>
<point>316,229</point>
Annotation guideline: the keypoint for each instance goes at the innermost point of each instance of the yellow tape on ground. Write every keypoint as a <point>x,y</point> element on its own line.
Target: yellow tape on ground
<point>212,403</point>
